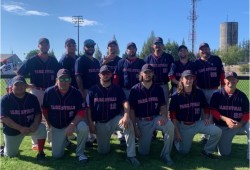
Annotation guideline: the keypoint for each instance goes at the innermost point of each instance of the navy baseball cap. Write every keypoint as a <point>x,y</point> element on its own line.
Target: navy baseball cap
<point>18,79</point>
<point>203,45</point>
<point>43,40</point>
<point>89,42</point>
<point>147,67</point>
<point>182,46</point>
<point>105,68</point>
<point>63,72</point>
<point>158,40</point>
<point>70,41</point>
<point>112,42</point>
<point>187,73</point>
<point>131,44</point>
<point>231,74</point>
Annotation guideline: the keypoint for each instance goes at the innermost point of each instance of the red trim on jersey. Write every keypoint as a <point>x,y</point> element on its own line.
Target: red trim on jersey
<point>116,79</point>
<point>222,77</point>
<point>245,117</point>
<point>215,113</point>
<point>171,77</point>
<point>45,111</point>
<point>206,110</point>
<point>172,115</point>
<point>81,113</point>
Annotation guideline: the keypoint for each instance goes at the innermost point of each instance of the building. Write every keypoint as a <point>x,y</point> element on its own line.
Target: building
<point>228,34</point>
<point>9,64</point>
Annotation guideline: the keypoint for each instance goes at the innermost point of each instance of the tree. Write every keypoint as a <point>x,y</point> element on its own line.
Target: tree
<point>147,46</point>
<point>118,49</point>
<point>231,55</point>
<point>172,48</point>
<point>35,52</point>
<point>98,53</point>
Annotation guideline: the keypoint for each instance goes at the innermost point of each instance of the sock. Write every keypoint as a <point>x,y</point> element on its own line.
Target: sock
<point>40,143</point>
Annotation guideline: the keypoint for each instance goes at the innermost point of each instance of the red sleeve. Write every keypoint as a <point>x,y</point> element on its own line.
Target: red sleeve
<point>81,113</point>
<point>171,77</point>
<point>45,111</point>
<point>116,79</point>
<point>215,113</point>
<point>245,117</point>
<point>206,110</point>
<point>172,115</point>
<point>222,77</point>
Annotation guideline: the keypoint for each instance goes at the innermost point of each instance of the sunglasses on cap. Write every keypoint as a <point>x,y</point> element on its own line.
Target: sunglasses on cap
<point>67,79</point>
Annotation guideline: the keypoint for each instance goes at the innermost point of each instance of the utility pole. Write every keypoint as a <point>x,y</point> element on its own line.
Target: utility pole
<point>193,18</point>
<point>78,20</point>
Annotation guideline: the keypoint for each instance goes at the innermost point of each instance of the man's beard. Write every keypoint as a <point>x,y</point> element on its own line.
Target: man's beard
<point>89,52</point>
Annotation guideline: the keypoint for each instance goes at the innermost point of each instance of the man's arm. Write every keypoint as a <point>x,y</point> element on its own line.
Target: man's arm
<point>9,122</point>
<point>81,86</point>
<point>37,121</point>
<point>125,120</point>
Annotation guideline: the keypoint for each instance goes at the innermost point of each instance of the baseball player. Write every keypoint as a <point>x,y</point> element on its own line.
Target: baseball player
<point>209,73</point>
<point>104,102</point>
<point>42,70</point>
<point>64,112</point>
<point>21,116</point>
<point>68,59</point>
<point>230,108</point>
<point>149,113</point>
<point>179,66</point>
<point>185,113</point>
<point>111,59</point>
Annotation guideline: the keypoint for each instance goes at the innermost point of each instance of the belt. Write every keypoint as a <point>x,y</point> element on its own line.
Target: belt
<point>188,123</point>
<point>150,118</point>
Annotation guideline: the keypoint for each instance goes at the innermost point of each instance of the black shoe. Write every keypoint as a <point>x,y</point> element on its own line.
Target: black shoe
<point>123,143</point>
<point>2,151</point>
<point>168,160</point>
<point>70,146</point>
<point>208,155</point>
<point>203,141</point>
<point>133,161</point>
<point>40,156</point>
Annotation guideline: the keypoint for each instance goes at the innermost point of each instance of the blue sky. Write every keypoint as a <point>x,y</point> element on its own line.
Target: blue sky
<point>23,22</point>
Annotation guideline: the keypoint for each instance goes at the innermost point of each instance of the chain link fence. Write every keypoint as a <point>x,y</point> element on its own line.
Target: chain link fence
<point>243,84</point>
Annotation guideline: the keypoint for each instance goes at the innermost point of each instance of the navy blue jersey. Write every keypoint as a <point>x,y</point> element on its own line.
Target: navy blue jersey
<point>188,107</point>
<point>112,64</point>
<point>128,72</point>
<point>62,109</point>
<point>146,102</point>
<point>233,106</point>
<point>42,74</point>
<point>177,68</point>
<point>68,62</point>
<point>88,69</point>
<point>21,111</point>
<point>105,103</point>
<point>161,66</point>
<point>208,73</point>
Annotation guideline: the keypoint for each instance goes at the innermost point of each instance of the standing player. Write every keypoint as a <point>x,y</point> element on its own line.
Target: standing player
<point>209,73</point>
<point>179,66</point>
<point>64,112</point>
<point>161,62</point>
<point>185,113</point>
<point>104,103</point>
<point>111,59</point>
<point>42,70</point>
<point>230,108</point>
<point>21,116</point>
<point>68,59</point>
<point>149,112</point>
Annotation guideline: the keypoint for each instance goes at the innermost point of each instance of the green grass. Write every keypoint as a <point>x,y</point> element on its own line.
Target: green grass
<point>116,159</point>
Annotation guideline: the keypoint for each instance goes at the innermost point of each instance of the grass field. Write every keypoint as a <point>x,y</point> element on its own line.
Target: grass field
<point>116,159</point>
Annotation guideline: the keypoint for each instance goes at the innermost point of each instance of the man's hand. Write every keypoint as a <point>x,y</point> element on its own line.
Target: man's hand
<point>177,135</point>
<point>207,122</point>
<point>70,129</point>
<point>92,128</point>
<point>33,127</point>
<point>162,120</point>
<point>137,132</point>
<point>230,122</point>
<point>124,121</point>
<point>25,130</point>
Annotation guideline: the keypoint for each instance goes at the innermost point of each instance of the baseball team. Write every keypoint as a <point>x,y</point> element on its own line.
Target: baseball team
<point>127,96</point>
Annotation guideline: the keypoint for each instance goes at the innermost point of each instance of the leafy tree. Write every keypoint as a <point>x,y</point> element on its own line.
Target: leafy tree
<point>118,50</point>
<point>147,46</point>
<point>98,53</point>
<point>231,55</point>
<point>172,48</point>
<point>244,68</point>
<point>35,52</point>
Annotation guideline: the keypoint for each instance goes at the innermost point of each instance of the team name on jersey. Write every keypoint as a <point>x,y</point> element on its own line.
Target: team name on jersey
<point>93,70</point>
<point>133,70</point>
<point>44,71</point>
<point>22,112</point>
<point>188,105</point>
<point>207,69</point>
<point>150,99</point>
<point>233,108</point>
<point>159,65</point>
<point>59,107</point>
<point>103,99</point>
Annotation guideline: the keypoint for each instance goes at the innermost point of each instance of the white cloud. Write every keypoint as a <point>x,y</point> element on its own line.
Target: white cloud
<point>19,10</point>
<point>84,23</point>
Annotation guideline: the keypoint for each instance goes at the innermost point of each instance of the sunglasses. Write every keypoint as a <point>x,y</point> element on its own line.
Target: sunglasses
<point>64,79</point>
<point>158,43</point>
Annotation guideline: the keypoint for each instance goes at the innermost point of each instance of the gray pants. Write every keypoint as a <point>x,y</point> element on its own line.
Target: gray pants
<point>105,130</point>
<point>188,132</point>
<point>225,143</point>
<point>59,139</point>
<point>12,143</point>
<point>166,93</point>
<point>147,128</point>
